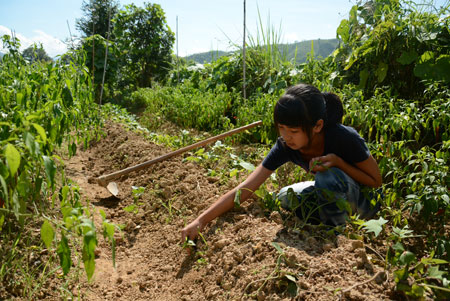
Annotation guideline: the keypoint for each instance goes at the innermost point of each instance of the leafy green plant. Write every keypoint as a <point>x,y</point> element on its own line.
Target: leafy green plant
<point>426,273</point>
<point>108,232</point>
<point>375,226</point>
<point>393,43</point>
<point>285,279</point>
<point>44,106</point>
<point>136,193</point>
<point>389,72</point>
<point>178,104</point>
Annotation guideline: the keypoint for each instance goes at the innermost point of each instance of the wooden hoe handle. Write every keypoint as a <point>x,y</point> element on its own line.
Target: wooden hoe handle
<point>103,180</point>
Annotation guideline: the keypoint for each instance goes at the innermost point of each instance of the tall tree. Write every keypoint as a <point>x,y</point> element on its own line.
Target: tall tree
<point>146,43</point>
<point>95,17</point>
<point>36,53</point>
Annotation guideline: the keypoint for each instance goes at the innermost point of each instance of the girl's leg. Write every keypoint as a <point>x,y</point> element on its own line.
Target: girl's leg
<point>330,197</point>
<point>286,198</point>
<point>300,198</point>
<point>324,199</point>
<point>338,194</point>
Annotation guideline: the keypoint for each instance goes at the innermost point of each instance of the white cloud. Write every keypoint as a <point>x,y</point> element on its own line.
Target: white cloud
<point>52,45</point>
<point>291,37</point>
<point>4,30</point>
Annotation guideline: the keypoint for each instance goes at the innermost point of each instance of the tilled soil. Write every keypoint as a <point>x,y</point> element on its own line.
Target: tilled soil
<point>236,258</point>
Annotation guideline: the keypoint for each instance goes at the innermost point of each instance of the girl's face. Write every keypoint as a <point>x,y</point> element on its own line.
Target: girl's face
<point>294,137</point>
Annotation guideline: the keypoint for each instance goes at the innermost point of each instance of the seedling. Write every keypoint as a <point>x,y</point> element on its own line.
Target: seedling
<point>170,209</point>
<point>108,232</point>
<point>188,243</point>
<point>203,239</point>
<point>202,260</point>
<point>277,274</point>
<point>132,209</point>
<point>137,192</point>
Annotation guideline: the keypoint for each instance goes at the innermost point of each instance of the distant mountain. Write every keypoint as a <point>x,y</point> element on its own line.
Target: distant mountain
<point>322,48</point>
<point>207,57</point>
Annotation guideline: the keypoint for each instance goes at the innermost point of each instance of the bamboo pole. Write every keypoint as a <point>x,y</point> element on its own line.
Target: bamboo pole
<point>243,60</point>
<point>106,53</point>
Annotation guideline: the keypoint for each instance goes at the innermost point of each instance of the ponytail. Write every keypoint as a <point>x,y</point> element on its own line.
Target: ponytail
<point>334,109</point>
<point>303,105</point>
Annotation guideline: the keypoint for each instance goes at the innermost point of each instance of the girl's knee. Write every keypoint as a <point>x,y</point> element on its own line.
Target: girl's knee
<point>289,194</point>
<point>332,179</point>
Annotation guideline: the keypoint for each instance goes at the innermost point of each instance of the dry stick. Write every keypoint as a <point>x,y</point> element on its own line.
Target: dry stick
<point>264,279</point>
<point>70,33</point>
<point>381,257</point>
<point>258,280</point>
<point>374,251</point>
<point>270,277</point>
<point>93,54</point>
<point>361,283</point>
<point>312,292</point>
<point>244,94</point>
<point>106,54</point>
<point>14,39</point>
<point>178,58</point>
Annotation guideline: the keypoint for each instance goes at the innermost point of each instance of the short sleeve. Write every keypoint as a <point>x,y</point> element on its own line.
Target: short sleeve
<point>361,150</point>
<point>356,149</point>
<point>345,142</point>
<point>276,157</point>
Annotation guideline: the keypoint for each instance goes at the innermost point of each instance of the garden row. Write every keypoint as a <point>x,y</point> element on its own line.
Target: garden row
<point>43,106</point>
<point>410,142</point>
<point>403,117</point>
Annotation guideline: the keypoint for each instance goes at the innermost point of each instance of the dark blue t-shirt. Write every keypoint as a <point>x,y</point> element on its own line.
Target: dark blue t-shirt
<point>341,140</point>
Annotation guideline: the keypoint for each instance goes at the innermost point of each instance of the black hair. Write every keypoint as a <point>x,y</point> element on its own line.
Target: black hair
<point>303,105</point>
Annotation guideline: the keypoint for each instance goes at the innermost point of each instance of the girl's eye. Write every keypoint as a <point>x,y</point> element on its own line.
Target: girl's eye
<point>288,130</point>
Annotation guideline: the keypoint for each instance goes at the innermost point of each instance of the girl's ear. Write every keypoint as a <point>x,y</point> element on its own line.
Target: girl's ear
<point>318,127</point>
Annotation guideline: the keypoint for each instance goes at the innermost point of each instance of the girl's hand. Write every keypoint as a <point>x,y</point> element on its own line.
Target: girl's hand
<point>324,162</point>
<point>191,231</point>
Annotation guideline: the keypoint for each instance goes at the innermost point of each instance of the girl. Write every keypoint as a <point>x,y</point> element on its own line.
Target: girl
<point>312,136</point>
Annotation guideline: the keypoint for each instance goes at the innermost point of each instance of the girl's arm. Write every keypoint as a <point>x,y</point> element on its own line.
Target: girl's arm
<point>365,172</point>
<point>226,202</point>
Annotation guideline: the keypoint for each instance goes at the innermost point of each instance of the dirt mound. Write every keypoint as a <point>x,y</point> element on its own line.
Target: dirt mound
<point>243,254</point>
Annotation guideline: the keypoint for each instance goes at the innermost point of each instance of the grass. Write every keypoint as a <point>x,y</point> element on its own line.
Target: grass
<point>28,269</point>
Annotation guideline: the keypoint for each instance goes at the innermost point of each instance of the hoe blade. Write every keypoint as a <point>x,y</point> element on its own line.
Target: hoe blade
<point>112,187</point>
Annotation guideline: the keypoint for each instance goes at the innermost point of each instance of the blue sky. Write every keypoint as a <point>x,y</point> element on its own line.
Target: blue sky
<point>203,25</point>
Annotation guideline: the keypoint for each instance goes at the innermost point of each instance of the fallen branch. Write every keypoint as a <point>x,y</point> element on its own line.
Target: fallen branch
<point>361,283</point>
<point>375,252</point>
